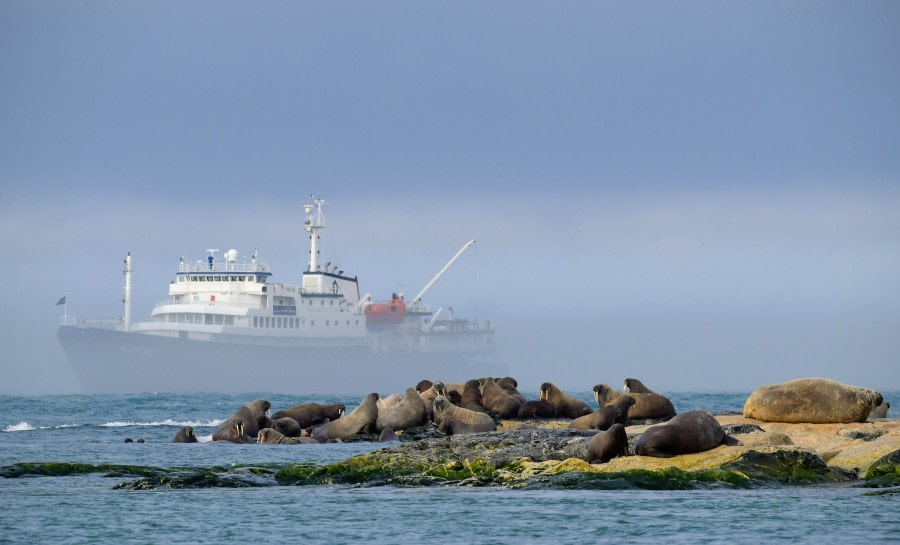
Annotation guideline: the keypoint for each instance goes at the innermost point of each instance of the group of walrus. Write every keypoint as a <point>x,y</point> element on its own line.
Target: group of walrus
<point>477,406</point>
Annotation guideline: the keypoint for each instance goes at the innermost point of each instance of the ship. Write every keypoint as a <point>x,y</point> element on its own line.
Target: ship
<point>228,326</point>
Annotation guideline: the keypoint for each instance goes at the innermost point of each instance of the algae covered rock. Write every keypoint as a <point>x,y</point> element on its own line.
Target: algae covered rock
<point>885,471</point>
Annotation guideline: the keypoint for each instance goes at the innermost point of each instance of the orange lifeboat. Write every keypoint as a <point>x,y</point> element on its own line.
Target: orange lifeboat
<point>384,314</point>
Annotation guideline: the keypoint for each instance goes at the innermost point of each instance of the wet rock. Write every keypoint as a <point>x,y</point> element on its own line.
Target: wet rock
<point>865,435</point>
<point>885,471</point>
<point>740,429</point>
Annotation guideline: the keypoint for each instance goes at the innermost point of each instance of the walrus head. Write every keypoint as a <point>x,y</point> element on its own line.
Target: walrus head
<point>545,390</point>
<point>601,394</point>
<point>440,388</point>
<point>441,403</point>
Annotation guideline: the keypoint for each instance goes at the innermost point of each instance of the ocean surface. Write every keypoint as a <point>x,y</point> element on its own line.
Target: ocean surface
<point>72,454</point>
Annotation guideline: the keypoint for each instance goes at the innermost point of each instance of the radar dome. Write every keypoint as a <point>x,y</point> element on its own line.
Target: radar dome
<point>231,255</point>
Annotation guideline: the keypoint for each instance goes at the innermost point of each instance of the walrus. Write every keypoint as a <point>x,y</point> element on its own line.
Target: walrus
<point>497,402</point>
<point>601,419</point>
<point>361,419</point>
<point>445,413</point>
<point>312,414</point>
<point>423,385</point>
<point>565,405</point>
<point>606,416</point>
<point>388,435</point>
<point>645,405</point>
<point>813,401</point>
<point>607,445</point>
<point>269,436</point>
<point>428,396</point>
<point>881,411</point>
<point>287,426</point>
<point>407,413</point>
<point>386,403</point>
<point>261,409</point>
<point>471,397</point>
<point>511,387</point>
<point>686,433</point>
<point>634,386</point>
<point>185,435</point>
<point>535,408</point>
<point>234,434</point>
<point>249,426</point>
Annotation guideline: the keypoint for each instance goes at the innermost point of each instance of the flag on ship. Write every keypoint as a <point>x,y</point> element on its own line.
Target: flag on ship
<point>62,300</point>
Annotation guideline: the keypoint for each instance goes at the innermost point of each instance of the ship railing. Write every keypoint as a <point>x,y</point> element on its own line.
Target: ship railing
<point>221,266</point>
<point>324,290</point>
<point>68,320</point>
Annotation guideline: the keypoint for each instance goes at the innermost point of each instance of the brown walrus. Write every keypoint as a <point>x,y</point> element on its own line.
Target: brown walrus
<point>607,445</point>
<point>446,415</point>
<point>407,413</point>
<point>471,397</point>
<point>361,419</point>
<point>428,396</point>
<point>536,408</point>
<point>565,405</point>
<point>185,435</point>
<point>249,426</point>
<point>811,400</point>
<point>511,387</point>
<point>312,414</point>
<point>645,405</point>
<point>686,433</point>
<point>497,402</point>
<point>287,426</point>
<point>601,419</point>
<point>634,386</point>
<point>271,436</point>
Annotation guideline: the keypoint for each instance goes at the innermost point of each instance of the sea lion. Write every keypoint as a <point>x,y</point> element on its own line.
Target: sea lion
<point>811,400</point>
<point>445,413</point>
<point>601,419</point>
<point>645,405</point>
<point>686,433</point>
<point>407,413</point>
<point>607,445</point>
<point>510,386</point>
<point>536,408</point>
<point>185,435</point>
<point>269,436</point>
<point>361,419</point>
<point>287,426</point>
<point>312,414</point>
<point>388,435</point>
<point>471,397</point>
<point>497,402</point>
<point>881,411</point>
<point>565,405</point>
<point>634,386</point>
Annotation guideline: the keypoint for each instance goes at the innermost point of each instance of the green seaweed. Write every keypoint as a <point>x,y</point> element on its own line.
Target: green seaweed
<point>885,471</point>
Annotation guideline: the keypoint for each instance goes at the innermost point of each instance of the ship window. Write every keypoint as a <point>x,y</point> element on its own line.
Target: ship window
<point>229,320</point>
<point>312,323</point>
<point>233,278</point>
<point>242,278</point>
<point>357,322</point>
<point>332,302</point>
<point>220,319</point>
<point>327,322</point>
<point>217,278</point>
<point>209,278</point>
<point>322,302</point>
<point>208,318</point>
<point>279,323</point>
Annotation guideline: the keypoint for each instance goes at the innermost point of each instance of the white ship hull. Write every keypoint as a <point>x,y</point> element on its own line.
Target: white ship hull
<point>111,361</point>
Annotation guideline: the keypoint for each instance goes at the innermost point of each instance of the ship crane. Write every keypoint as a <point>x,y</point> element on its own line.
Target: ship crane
<point>440,273</point>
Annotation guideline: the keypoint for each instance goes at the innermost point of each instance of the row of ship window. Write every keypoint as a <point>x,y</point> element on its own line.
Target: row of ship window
<point>223,278</point>
<point>290,323</point>
<point>276,322</point>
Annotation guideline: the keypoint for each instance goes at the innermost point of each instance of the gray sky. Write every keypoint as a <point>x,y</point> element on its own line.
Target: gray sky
<point>703,195</point>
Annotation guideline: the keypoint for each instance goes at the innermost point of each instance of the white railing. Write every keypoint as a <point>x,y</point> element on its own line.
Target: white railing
<point>221,267</point>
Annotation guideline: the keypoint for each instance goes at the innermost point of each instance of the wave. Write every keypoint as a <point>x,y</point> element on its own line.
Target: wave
<point>167,422</point>
<point>25,426</point>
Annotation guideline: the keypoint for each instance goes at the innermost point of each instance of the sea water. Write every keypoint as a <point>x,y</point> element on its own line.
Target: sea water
<point>86,507</point>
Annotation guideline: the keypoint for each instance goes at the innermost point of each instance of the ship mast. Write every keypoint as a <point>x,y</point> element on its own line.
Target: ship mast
<point>315,222</point>
<point>126,321</point>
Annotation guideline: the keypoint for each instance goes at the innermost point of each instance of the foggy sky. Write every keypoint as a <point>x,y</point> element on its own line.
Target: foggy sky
<point>701,195</point>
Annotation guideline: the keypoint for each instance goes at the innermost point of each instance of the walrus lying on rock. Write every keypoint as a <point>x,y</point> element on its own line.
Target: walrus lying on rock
<point>312,414</point>
<point>812,401</point>
<point>686,433</point>
<point>270,436</point>
<point>361,419</point>
<point>646,405</point>
<point>565,405</point>
<point>452,420</point>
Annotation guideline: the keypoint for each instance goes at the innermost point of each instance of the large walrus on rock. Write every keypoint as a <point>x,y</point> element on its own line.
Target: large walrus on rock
<point>812,401</point>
